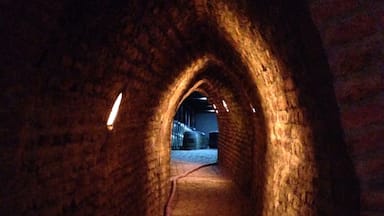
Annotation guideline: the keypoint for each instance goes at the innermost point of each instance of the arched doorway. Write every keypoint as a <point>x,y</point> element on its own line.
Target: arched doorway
<point>194,132</point>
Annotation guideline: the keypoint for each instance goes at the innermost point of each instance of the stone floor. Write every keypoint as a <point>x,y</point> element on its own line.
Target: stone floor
<point>206,191</point>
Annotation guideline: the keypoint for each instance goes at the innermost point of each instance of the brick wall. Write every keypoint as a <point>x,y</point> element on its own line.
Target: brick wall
<point>65,63</point>
<point>283,183</point>
<point>352,36</point>
<point>316,90</point>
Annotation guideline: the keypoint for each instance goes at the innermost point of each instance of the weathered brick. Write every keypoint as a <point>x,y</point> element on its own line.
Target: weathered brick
<point>365,142</point>
<point>357,58</point>
<point>322,11</point>
<point>351,29</point>
<point>373,200</point>
<point>369,168</point>
<point>362,115</point>
<point>64,63</point>
<point>358,87</point>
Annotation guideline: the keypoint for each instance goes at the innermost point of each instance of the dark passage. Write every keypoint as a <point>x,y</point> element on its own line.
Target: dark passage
<point>287,97</point>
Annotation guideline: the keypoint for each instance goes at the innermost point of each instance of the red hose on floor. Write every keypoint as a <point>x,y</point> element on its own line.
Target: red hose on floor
<point>168,209</point>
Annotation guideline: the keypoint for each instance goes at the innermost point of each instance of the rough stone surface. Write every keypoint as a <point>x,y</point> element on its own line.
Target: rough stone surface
<point>314,76</point>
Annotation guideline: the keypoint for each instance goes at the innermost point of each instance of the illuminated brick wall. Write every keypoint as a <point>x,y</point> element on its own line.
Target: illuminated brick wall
<point>312,146</point>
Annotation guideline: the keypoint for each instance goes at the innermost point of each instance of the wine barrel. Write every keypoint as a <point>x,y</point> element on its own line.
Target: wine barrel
<point>190,140</point>
<point>203,140</point>
<point>213,139</point>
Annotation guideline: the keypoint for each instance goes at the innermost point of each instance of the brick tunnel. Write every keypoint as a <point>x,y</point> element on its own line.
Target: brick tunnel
<point>303,81</point>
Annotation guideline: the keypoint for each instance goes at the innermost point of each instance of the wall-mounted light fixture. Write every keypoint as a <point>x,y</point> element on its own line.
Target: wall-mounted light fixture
<point>225,105</point>
<point>115,109</point>
<point>215,109</point>
<point>252,108</point>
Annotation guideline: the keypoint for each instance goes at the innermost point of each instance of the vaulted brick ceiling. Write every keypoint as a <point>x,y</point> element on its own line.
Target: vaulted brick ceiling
<point>303,66</point>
